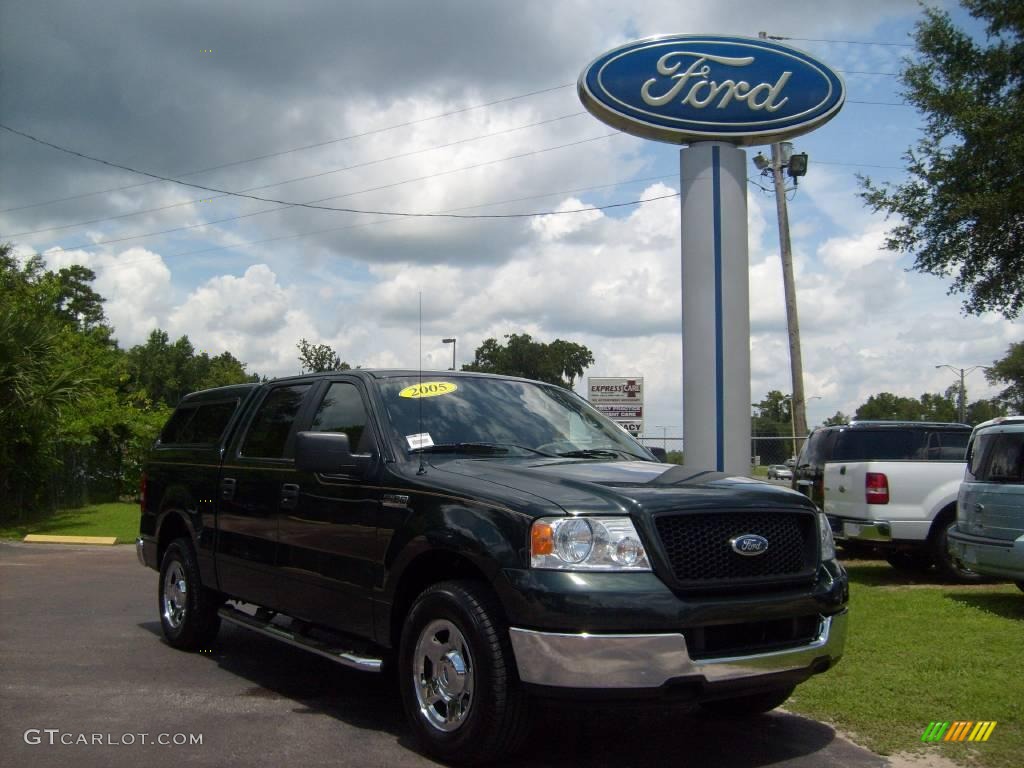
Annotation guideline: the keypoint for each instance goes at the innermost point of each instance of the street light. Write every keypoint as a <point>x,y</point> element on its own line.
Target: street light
<point>963,387</point>
<point>452,342</point>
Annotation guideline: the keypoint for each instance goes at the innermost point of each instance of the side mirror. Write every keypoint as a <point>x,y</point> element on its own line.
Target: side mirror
<point>325,452</point>
<point>660,454</point>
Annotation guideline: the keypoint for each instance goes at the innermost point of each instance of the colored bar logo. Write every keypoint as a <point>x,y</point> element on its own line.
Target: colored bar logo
<point>959,730</point>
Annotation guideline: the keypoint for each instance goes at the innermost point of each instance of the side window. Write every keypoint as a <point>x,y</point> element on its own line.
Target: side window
<point>270,427</point>
<point>1006,459</point>
<point>204,423</point>
<point>976,455</point>
<point>947,446</point>
<point>342,411</point>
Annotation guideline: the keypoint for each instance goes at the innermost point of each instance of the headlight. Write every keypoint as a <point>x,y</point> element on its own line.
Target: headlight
<point>587,544</point>
<point>828,544</point>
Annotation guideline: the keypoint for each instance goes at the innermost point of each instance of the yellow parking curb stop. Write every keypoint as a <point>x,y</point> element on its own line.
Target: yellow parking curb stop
<point>35,538</point>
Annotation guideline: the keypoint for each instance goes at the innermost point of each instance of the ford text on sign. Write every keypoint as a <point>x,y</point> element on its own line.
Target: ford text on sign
<point>685,88</point>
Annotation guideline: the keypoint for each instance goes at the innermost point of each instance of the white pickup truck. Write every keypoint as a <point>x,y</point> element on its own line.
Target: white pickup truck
<point>892,487</point>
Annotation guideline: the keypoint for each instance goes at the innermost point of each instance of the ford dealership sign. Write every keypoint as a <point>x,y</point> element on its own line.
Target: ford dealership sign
<point>688,88</point>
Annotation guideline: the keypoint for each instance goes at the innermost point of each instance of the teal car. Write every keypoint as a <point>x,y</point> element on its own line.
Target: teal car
<point>988,536</point>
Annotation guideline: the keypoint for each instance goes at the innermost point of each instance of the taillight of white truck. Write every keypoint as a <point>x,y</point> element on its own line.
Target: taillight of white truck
<point>876,488</point>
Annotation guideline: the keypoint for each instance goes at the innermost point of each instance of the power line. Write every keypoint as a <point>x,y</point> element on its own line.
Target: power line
<point>297,178</point>
<point>299,149</point>
<point>879,103</point>
<point>847,42</point>
<point>311,205</point>
<point>360,225</point>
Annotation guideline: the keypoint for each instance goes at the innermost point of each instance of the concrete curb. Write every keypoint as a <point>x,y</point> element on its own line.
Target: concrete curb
<point>35,538</point>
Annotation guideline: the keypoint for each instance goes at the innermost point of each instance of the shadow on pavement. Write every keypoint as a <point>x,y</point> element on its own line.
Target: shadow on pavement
<point>564,734</point>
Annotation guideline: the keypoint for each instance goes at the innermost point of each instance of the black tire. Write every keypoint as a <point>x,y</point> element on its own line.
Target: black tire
<point>910,562</point>
<point>747,706</point>
<point>469,707</point>
<point>188,610</point>
<point>949,567</point>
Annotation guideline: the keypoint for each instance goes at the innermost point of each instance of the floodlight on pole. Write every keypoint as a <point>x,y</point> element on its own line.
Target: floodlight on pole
<point>452,342</point>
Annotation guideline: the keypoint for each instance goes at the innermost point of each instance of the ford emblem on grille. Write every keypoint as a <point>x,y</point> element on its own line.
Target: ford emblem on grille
<point>749,544</point>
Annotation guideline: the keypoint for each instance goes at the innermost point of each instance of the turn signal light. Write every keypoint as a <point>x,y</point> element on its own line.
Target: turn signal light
<point>542,539</point>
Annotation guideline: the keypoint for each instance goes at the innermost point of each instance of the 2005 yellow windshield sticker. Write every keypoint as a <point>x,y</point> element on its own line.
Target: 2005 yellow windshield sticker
<point>428,389</point>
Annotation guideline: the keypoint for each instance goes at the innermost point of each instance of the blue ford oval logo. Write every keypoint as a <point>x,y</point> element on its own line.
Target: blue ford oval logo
<point>749,544</point>
<point>685,88</point>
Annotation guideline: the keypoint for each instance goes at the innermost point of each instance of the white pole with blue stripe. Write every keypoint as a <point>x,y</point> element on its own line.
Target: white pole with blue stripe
<point>716,307</point>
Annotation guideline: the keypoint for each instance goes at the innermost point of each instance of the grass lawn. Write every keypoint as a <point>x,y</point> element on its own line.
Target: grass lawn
<point>919,651</point>
<point>114,519</point>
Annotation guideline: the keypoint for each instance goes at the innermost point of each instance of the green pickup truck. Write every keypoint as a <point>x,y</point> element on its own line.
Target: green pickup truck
<point>491,540</point>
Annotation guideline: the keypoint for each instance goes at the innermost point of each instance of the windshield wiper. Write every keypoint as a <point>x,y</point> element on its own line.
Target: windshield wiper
<point>478,448</point>
<point>599,453</point>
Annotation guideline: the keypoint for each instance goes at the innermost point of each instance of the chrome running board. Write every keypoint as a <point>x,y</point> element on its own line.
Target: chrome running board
<point>266,627</point>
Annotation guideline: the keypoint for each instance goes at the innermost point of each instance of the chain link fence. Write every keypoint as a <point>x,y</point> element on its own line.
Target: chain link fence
<point>763,450</point>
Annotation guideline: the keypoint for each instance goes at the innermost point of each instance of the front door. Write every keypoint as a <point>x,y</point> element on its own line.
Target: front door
<point>327,543</point>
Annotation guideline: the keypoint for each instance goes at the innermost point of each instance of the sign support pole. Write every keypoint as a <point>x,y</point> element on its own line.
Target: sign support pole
<point>716,307</point>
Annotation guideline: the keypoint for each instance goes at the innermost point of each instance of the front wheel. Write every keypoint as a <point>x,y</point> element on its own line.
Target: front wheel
<point>747,706</point>
<point>188,610</point>
<point>457,674</point>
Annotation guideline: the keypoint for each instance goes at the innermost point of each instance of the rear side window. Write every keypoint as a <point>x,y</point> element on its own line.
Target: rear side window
<point>880,445</point>
<point>947,446</point>
<point>817,449</point>
<point>976,454</point>
<point>268,433</point>
<point>198,424</point>
<point>1005,459</point>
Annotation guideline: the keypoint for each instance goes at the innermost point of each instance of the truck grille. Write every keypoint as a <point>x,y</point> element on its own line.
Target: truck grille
<point>698,551</point>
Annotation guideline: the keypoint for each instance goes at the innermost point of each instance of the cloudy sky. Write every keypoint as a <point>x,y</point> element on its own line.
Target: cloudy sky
<point>450,106</point>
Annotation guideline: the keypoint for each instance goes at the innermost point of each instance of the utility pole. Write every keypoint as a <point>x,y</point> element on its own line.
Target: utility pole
<point>963,385</point>
<point>798,405</point>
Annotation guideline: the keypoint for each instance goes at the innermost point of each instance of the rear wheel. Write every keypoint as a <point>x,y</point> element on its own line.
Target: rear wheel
<point>948,566</point>
<point>457,674</point>
<point>188,610</point>
<point>747,706</point>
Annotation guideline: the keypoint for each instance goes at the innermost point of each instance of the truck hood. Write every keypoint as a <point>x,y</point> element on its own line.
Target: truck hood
<point>622,486</point>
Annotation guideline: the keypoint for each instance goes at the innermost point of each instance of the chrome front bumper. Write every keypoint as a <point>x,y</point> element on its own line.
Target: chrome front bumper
<point>650,661</point>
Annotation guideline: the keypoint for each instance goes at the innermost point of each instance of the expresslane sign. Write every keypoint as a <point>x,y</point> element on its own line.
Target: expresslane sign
<point>686,88</point>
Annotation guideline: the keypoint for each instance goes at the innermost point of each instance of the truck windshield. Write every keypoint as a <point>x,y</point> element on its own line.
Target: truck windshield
<point>509,418</point>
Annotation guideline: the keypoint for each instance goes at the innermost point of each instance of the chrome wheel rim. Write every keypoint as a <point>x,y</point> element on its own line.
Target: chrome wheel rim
<point>443,675</point>
<point>175,595</point>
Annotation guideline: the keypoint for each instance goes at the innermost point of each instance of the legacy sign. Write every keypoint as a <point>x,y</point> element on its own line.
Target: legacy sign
<point>620,399</point>
<point>687,88</point>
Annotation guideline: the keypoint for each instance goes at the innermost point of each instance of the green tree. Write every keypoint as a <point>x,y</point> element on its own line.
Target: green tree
<point>961,211</point>
<point>1009,370</point>
<point>984,410</point>
<point>316,358</point>
<point>838,420</point>
<point>886,406</point>
<point>560,362</point>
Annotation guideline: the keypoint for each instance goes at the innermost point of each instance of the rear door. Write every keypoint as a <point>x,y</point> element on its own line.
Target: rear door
<point>255,483</point>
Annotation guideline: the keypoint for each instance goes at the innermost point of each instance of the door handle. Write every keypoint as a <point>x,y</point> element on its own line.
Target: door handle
<point>227,488</point>
<point>979,508</point>
<point>289,496</point>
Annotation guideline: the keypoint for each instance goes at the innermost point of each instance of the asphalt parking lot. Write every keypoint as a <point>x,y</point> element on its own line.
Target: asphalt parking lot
<point>81,657</point>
